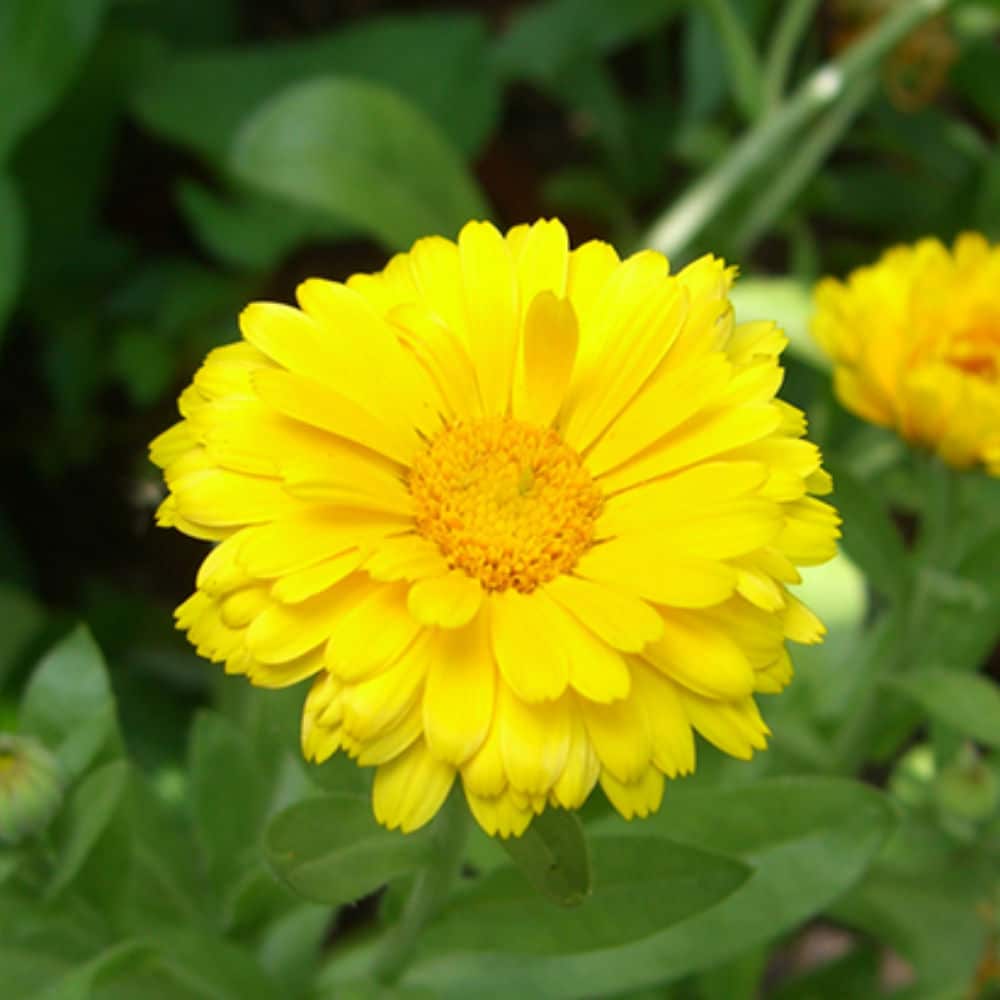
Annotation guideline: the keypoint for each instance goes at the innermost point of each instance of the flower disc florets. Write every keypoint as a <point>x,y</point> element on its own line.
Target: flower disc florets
<point>527,514</point>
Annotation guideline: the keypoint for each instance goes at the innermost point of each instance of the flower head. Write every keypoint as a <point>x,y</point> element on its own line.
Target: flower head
<point>31,788</point>
<point>527,514</point>
<point>915,341</point>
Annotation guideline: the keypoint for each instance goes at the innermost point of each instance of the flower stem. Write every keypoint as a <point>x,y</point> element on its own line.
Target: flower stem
<point>933,554</point>
<point>430,889</point>
<point>675,229</point>
<point>802,164</point>
<point>741,59</point>
<point>787,35</point>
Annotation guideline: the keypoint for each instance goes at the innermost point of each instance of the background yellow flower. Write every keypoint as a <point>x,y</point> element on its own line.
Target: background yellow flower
<point>528,515</point>
<point>915,340</point>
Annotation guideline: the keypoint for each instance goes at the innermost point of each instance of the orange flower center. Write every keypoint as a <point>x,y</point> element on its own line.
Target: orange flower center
<point>510,504</point>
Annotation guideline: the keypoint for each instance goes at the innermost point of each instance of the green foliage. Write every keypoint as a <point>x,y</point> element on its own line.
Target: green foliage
<point>361,153</point>
<point>161,164</point>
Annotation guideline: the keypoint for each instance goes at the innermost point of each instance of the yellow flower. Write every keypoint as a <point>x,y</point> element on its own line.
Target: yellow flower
<point>915,341</point>
<point>528,514</point>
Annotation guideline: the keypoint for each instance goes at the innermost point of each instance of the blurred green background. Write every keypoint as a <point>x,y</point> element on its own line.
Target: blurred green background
<point>163,163</point>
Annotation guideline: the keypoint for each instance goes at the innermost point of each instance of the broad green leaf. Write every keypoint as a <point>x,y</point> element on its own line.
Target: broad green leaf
<point>41,45</point>
<point>11,247</point>
<point>552,856</point>
<point>967,702</point>
<point>68,703</point>
<point>547,37</point>
<point>80,982</point>
<point>27,970</point>
<point>90,810</point>
<point>870,536</point>
<point>641,885</point>
<point>290,946</point>
<point>144,362</point>
<point>251,232</point>
<point>808,840</point>
<point>963,622</point>
<point>228,795</point>
<point>786,301</point>
<point>331,849</point>
<point>360,153</point>
<point>439,63</point>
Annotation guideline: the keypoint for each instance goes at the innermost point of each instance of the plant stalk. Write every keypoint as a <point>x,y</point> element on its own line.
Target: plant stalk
<point>675,229</point>
<point>430,890</point>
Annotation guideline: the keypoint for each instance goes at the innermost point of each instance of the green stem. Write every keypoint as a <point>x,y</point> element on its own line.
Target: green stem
<point>741,59</point>
<point>430,889</point>
<point>675,229</point>
<point>792,25</point>
<point>933,554</point>
<point>803,163</point>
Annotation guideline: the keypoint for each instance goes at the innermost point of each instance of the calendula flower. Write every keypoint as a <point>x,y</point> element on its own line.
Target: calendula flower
<point>915,341</point>
<point>527,514</point>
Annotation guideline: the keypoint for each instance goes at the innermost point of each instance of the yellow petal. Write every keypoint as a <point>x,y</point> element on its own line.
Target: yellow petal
<point>216,497</point>
<point>621,620</point>
<point>437,273</point>
<point>286,631</point>
<point>458,700</point>
<point>582,767</point>
<point>305,583</point>
<point>448,601</point>
<point>546,359</point>
<point>648,568</point>
<point>492,311</point>
<point>371,633</point>
<point>372,706</point>
<point>669,729</point>
<point>501,815</point>
<point>405,557</point>
<point>620,735</point>
<point>695,652</point>
<point>534,740</point>
<point>528,644</point>
<point>638,798</point>
<point>409,790</point>
<point>735,727</point>
<point>542,259</point>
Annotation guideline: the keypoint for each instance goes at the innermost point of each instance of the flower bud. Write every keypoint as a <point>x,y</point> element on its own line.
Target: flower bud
<point>31,787</point>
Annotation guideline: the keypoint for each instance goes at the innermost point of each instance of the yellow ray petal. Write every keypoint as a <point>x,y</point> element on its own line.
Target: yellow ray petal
<point>405,557</point>
<point>461,684</point>
<point>542,259</point>
<point>638,798</point>
<point>305,583</point>
<point>735,727</point>
<point>448,601</point>
<point>649,568</point>
<point>501,815</point>
<point>372,706</point>
<point>669,729</point>
<point>534,740</point>
<point>527,642</point>
<point>410,789</point>
<point>620,735</point>
<point>582,767</point>
<point>545,361</point>
<point>695,652</point>
<point>621,620</point>
<point>371,633</point>
<point>492,311</point>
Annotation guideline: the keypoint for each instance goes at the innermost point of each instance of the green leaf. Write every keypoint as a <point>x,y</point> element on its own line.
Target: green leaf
<point>552,856</point>
<point>786,301</point>
<point>331,849</point>
<point>79,983</point>
<point>870,537</point>
<point>11,247</point>
<point>200,100</point>
<point>967,702</point>
<point>362,154</point>
<point>547,37</point>
<point>641,885</point>
<point>808,840</point>
<point>41,45</point>
<point>144,362</point>
<point>91,808</point>
<point>68,703</point>
<point>251,232</point>
<point>229,795</point>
